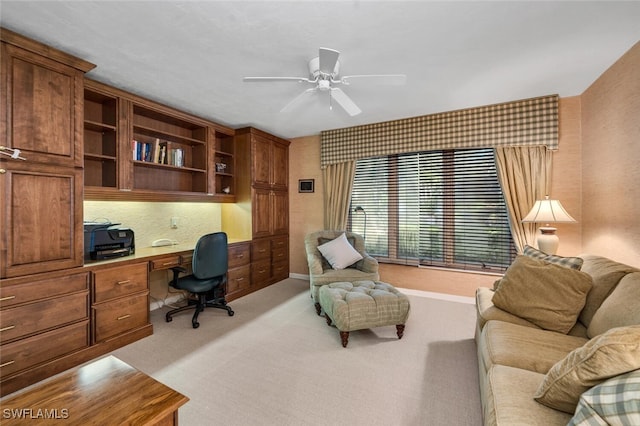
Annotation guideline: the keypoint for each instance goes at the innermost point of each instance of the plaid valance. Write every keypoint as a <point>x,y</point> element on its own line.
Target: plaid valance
<point>525,122</point>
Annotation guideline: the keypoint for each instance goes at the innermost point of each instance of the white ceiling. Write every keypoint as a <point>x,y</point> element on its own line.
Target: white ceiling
<point>192,55</point>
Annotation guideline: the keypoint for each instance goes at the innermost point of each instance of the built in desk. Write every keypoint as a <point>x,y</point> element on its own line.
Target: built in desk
<point>105,392</point>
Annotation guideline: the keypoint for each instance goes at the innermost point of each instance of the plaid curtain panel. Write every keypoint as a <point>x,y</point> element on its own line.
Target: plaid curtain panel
<point>526,122</point>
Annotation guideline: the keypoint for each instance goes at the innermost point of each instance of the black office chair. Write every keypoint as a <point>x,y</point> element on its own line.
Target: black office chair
<point>209,279</point>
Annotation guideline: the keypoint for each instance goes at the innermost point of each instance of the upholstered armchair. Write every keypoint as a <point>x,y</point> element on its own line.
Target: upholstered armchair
<point>321,272</point>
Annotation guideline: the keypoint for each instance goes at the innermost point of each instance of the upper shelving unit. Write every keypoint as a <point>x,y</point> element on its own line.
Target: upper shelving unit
<point>136,149</point>
<point>100,139</point>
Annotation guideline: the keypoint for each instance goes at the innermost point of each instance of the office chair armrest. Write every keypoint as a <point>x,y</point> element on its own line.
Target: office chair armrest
<point>176,271</point>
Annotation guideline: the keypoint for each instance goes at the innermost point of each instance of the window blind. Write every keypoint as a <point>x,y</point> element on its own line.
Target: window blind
<point>433,208</point>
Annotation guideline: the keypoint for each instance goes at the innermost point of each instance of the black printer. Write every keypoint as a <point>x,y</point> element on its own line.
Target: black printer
<point>106,240</point>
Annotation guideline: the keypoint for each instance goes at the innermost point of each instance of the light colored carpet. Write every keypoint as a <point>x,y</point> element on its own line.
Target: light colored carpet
<point>277,363</point>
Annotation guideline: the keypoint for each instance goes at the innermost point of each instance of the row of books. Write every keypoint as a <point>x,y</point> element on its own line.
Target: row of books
<point>159,152</point>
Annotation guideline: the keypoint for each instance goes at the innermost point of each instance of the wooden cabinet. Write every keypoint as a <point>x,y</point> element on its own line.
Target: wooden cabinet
<point>41,115</point>
<point>43,318</point>
<point>136,149</point>
<point>263,173</point>
<point>120,300</point>
<point>41,211</point>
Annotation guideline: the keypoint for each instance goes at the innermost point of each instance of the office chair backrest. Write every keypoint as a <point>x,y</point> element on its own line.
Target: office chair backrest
<point>210,257</point>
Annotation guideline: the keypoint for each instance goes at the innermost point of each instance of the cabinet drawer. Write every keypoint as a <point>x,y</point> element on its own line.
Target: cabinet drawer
<point>43,347</point>
<point>119,281</point>
<point>113,318</point>
<point>280,243</point>
<point>26,319</point>
<point>166,262</point>
<point>239,278</point>
<point>260,249</point>
<point>279,255</point>
<point>280,270</point>
<point>260,272</point>
<point>238,255</point>
<point>26,292</point>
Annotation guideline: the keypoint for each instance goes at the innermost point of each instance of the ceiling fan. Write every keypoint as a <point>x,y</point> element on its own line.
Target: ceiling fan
<point>324,76</point>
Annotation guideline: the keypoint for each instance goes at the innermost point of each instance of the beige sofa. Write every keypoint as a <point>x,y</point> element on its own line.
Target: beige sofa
<point>515,355</point>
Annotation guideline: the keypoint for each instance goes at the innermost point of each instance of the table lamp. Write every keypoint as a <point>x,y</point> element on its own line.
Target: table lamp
<point>548,211</point>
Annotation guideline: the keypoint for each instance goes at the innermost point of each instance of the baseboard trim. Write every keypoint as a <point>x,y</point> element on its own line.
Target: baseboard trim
<point>299,276</point>
<point>419,293</point>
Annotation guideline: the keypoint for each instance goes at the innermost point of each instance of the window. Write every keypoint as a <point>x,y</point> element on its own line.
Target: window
<point>434,208</point>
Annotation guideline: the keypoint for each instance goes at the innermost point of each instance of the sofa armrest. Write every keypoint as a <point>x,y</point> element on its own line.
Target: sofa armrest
<point>369,264</point>
<point>315,264</point>
<point>487,311</point>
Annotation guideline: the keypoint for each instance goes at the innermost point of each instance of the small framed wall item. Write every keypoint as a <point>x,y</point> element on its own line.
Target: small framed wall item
<point>306,185</point>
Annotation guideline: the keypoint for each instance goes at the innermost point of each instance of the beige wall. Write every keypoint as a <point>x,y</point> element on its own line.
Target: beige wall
<point>610,154</point>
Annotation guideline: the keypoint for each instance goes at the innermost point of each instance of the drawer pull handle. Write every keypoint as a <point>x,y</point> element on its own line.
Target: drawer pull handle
<point>262,251</point>
<point>170,263</point>
<point>123,282</point>
<point>240,279</point>
<point>7,363</point>
<point>240,256</point>
<point>124,317</point>
<point>7,328</point>
<point>262,271</point>
<point>2,299</point>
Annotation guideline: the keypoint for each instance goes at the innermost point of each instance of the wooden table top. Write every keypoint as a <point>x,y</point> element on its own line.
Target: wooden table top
<point>107,391</point>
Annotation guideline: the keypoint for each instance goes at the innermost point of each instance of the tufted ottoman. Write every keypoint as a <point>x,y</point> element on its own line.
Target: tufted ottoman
<point>363,304</point>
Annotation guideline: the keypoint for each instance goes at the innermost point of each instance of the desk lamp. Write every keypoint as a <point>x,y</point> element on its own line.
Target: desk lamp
<point>548,211</point>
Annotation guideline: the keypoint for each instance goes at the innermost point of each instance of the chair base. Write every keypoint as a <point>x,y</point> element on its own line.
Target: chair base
<point>199,305</point>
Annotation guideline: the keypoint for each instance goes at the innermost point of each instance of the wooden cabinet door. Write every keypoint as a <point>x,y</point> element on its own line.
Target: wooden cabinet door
<point>261,161</point>
<point>261,214</point>
<point>41,218</point>
<point>279,213</point>
<point>42,103</point>
<point>279,166</point>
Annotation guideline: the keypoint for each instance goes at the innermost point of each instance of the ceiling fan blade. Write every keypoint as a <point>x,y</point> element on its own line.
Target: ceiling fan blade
<point>393,79</point>
<point>298,99</point>
<point>260,79</point>
<point>328,59</point>
<point>345,102</point>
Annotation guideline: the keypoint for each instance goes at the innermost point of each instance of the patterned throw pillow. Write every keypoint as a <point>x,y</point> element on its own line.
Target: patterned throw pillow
<point>614,402</point>
<point>567,262</point>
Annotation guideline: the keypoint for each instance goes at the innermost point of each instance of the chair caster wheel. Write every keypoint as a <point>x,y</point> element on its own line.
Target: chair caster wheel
<point>195,324</point>
<point>168,318</point>
<point>230,312</point>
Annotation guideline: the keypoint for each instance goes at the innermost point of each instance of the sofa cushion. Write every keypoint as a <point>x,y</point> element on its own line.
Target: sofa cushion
<point>613,402</point>
<point>524,347</point>
<point>487,311</point>
<point>567,262</point>
<point>621,308</point>
<point>605,274</point>
<point>339,253</point>
<point>548,295</point>
<point>508,400</point>
<point>615,352</point>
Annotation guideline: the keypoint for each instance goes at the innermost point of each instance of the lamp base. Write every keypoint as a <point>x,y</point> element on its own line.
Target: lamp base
<point>547,240</point>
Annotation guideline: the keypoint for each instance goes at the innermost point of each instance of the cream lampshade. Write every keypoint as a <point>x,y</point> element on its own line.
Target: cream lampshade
<point>548,211</point>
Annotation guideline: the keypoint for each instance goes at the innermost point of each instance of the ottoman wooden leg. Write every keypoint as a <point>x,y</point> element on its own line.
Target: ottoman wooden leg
<point>400,330</point>
<point>344,336</point>
<point>317,308</point>
<point>327,318</point>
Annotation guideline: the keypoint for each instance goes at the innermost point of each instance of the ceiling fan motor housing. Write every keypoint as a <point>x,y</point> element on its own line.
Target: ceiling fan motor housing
<point>314,70</point>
